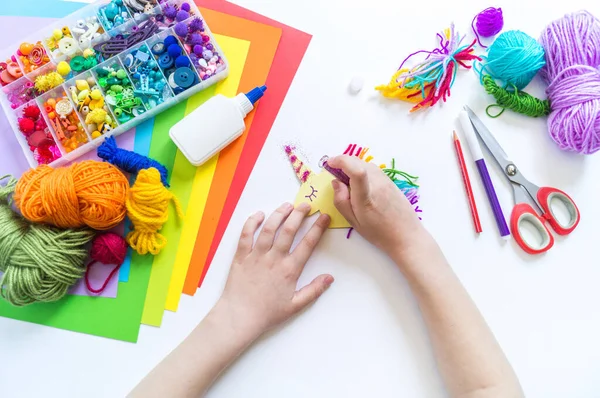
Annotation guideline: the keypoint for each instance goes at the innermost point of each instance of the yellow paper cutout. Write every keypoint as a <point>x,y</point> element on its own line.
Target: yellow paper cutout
<point>318,193</point>
<point>316,190</point>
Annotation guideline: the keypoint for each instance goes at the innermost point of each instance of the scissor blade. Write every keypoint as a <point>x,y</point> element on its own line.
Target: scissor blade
<point>489,141</point>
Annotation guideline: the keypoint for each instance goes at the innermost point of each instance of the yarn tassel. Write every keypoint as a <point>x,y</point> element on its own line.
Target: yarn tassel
<point>130,161</point>
<point>516,100</point>
<point>430,81</point>
<point>147,208</point>
<point>39,263</point>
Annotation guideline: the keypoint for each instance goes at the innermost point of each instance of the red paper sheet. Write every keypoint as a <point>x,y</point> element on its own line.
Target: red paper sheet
<point>292,47</point>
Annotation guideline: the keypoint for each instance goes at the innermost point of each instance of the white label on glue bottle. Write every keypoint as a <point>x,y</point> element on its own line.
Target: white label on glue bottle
<point>213,125</point>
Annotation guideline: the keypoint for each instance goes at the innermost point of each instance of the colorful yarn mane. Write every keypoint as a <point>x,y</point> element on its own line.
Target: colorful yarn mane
<point>404,181</point>
<point>431,80</point>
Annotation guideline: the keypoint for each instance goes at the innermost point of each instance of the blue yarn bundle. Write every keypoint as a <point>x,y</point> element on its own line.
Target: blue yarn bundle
<point>514,58</point>
<point>130,161</point>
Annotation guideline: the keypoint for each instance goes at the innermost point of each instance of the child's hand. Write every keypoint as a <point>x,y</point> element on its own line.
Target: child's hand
<point>375,207</point>
<point>261,289</point>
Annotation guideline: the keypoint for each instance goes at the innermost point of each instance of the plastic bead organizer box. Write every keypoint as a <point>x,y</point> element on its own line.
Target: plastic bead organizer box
<point>103,70</point>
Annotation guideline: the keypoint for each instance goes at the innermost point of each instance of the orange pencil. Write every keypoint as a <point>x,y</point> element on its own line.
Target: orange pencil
<point>467,182</point>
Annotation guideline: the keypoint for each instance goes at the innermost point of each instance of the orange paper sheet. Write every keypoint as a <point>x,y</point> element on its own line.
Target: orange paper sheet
<point>190,259</point>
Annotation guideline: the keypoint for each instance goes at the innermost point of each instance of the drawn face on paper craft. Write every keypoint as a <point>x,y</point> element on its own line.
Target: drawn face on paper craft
<point>316,190</point>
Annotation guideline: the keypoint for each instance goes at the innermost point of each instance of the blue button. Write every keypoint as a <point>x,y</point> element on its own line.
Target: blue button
<point>184,77</point>
<point>165,61</point>
<point>158,48</point>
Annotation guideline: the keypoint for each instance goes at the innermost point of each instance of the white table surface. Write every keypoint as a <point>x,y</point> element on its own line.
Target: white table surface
<point>365,336</point>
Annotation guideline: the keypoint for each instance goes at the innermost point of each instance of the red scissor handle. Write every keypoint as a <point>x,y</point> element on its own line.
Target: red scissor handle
<point>545,195</point>
<point>523,213</point>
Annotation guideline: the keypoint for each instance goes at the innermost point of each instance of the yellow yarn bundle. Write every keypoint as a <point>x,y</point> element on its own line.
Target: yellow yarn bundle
<point>147,208</point>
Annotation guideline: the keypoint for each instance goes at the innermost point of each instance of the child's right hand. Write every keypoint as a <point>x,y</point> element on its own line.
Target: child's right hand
<point>375,207</point>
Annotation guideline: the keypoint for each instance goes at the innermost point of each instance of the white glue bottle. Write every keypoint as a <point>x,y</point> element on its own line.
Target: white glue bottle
<point>213,125</point>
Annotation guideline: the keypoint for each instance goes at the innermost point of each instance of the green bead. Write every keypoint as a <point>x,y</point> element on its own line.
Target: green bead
<point>103,82</point>
<point>118,112</point>
<point>77,63</point>
<point>116,88</point>
<point>102,72</point>
<point>121,74</point>
<point>112,81</point>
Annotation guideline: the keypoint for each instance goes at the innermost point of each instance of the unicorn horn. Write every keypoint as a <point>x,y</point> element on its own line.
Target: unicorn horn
<point>302,171</point>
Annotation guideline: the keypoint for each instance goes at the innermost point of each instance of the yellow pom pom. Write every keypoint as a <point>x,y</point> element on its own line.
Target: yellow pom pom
<point>57,34</point>
<point>48,81</point>
<point>82,85</point>
<point>88,52</point>
<point>96,134</point>
<point>63,68</point>
<point>96,94</point>
<point>97,116</point>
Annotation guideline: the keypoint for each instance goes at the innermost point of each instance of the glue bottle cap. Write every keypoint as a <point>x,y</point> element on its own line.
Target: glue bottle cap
<point>256,93</point>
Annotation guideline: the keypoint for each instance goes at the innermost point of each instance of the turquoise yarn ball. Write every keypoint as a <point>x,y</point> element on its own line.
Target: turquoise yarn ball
<point>514,58</point>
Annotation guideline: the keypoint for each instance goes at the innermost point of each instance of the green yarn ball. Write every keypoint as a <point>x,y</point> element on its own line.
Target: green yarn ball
<point>40,263</point>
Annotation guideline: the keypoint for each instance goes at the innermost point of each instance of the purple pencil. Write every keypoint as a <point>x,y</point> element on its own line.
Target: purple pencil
<point>477,154</point>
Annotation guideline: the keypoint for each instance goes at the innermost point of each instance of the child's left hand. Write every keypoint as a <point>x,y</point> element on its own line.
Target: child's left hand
<point>261,289</point>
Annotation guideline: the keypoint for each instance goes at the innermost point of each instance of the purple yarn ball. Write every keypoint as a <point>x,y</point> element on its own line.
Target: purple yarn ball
<point>571,71</point>
<point>489,22</point>
<point>186,7</point>
<point>196,25</point>
<point>170,11</point>
<point>198,49</point>
<point>182,15</point>
<point>195,38</point>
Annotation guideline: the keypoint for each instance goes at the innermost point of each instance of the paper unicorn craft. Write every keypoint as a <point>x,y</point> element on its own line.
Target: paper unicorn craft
<point>316,188</point>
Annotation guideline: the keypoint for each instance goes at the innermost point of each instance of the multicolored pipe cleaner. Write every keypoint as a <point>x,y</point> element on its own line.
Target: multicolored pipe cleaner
<point>430,81</point>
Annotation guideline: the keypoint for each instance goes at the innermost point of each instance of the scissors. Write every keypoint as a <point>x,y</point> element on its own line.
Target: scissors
<point>530,200</point>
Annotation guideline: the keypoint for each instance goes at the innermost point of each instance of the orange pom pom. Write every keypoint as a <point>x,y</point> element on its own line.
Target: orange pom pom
<point>88,193</point>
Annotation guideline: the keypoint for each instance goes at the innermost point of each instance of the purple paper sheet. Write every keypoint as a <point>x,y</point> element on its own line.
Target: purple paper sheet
<point>12,160</point>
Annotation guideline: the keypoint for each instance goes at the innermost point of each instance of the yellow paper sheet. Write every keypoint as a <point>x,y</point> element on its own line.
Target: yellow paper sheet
<point>163,269</point>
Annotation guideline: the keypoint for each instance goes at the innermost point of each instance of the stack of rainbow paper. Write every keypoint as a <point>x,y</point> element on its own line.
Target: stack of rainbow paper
<point>260,51</point>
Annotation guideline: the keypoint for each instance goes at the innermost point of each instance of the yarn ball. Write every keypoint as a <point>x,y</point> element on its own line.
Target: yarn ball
<point>514,58</point>
<point>40,263</point>
<point>129,161</point>
<point>107,248</point>
<point>571,71</point>
<point>88,193</point>
<point>186,7</point>
<point>181,29</point>
<point>170,11</point>
<point>196,25</point>
<point>31,111</point>
<point>182,61</point>
<point>182,15</point>
<point>488,23</point>
<point>26,125</point>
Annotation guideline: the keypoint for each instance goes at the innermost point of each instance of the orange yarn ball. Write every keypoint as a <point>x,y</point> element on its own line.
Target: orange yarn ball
<point>88,193</point>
